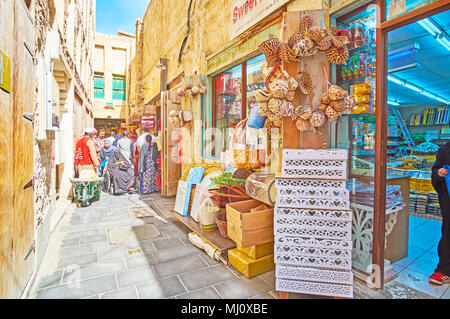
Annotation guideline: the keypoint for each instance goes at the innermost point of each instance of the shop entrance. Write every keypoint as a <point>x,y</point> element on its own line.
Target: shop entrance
<point>418,114</point>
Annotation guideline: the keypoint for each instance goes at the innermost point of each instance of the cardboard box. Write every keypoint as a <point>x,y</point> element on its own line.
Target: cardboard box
<point>257,251</point>
<point>250,267</point>
<point>239,215</point>
<point>247,238</point>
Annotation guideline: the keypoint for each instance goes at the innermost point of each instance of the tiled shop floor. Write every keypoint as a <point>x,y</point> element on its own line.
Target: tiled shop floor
<point>82,260</point>
<point>413,271</point>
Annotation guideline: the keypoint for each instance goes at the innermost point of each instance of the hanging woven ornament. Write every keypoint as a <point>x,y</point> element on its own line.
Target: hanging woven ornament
<point>290,96</point>
<point>318,119</point>
<point>336,93</point>
<point>303,111</point>
<point>325,99</point>
<point>340,41</point>
<point>278,123</point>
<point>317,33</point>
<point>306,23</point>
<point>277,106</point>
<point>270,46</point>
<point>273,75</point>
<point>289,110</point>
<point>323,107</point>
<point>338,106</point>
<point>274,117</point>
<point>262,96</point>
<point>279,89</point>
<point>338,55</point>
<point>303,125</point>
<point>263,108</point>
<point>331,114</point>
<point>304,47</point>
<point>349,102</point>
<point>325,43</point>
<point>305,82</point>
<point>286,53</point>
<point>296,37</point>
<point>334,30</point>
<point>293,84</point>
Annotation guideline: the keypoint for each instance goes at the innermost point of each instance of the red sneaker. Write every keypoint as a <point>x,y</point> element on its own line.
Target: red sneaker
<point>438,278</point>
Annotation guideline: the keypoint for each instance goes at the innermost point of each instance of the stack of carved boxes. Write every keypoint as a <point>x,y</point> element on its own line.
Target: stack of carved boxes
<point>313,224</point>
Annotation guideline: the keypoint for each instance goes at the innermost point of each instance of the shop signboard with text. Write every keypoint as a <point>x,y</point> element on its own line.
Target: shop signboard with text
<point>246,13</point>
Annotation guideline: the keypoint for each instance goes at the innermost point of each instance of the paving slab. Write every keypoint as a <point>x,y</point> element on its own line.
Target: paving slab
<point>81,289</point>
<point>242,288</point>
<point>77,250</point>
<point>139,261</point>
<point>127,293</point>
<point>204,293</point>
<point>179,266</point>
<point>175,253</point>
<point>51,280</point>
<point>96,270</point>
<point>161,288</point>
<point>78,260</point>
<point>135,276</point>
<point>206,277</point>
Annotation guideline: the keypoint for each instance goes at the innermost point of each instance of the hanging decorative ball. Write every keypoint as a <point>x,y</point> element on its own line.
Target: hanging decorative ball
<point>304,47</point>
<point>273,60</point>
<point>338,55</point>
<point>276,106</point>
<point>278,123</point>
<point>338,106</point>
<point>275,117</point>
<point>334,30</point>
<point>292,84</point>
<point>289,109</point>
<point>317,33</point>
<point>331,114</point>
<point>290,95</point>
<point>270,46</point>
<point>296,37</point>
<point>349,102</point>
<point>262,96</point>
<point>325,99</point>
<point>336,93</point>
<point>263,108</point>
<point>286,53</point>
<point>303,111</point>
<point>325,43</point>
<point>340,41</point>
<point>323,107</point>
<point>306,22</point>
<point>195,90</point>
<point>180,92</point>
<point>318,118</point>
<point>279,89</point>
<point>305,82</point>
<point>303,125</point>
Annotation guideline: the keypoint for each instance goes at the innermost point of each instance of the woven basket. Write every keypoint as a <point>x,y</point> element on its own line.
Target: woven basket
<point>221,222</point>
<point>228,194</point>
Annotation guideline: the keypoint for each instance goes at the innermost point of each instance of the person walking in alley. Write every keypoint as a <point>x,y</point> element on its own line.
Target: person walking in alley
<point>142,139</point>
<point>118,137</point>
<point>147,165</point>
<point>442,273</point>
<point>126,146</point>
<point>112,138</point>
<point>101,138</point>
<point>105,154</point>
<point>86,158</point>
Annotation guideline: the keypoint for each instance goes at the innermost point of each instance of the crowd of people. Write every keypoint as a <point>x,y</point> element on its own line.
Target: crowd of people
<point>131,161</point>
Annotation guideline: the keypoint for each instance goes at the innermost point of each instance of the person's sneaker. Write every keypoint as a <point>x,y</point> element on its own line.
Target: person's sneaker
<point>438,278</point>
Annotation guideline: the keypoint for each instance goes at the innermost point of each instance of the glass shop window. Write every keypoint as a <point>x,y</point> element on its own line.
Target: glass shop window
<point>233,99</point>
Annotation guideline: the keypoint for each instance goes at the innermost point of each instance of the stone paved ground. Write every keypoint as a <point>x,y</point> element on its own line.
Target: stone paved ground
<point>81,263</point>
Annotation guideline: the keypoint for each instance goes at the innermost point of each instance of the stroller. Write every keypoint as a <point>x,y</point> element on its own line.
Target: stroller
<point>118,174</point>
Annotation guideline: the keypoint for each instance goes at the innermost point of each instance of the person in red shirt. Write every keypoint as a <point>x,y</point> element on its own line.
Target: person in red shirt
<point>85,153</point>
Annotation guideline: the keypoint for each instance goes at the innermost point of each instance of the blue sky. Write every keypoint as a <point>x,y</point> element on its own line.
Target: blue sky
<point>114,15</point>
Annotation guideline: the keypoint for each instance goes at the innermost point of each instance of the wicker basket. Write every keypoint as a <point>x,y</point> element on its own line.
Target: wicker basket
<point>228,194</point>
<point>221,221</point>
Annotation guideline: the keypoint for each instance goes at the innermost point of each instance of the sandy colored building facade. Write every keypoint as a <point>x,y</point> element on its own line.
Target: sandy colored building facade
<point>196,39</point>
<point>50,46</point>
<point>112,58</point>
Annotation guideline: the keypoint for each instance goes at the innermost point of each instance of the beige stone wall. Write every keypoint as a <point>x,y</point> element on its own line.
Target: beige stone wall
<point>164,28</point>
<point>113,55</point>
